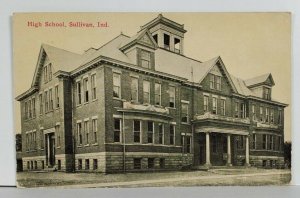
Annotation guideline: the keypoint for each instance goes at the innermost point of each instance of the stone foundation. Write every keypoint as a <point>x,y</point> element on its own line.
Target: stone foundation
<point>267,161</point>
<point>34,163</point>
<point>99,156</point>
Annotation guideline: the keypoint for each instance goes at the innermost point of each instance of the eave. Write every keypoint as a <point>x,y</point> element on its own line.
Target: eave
<point>27,93</point>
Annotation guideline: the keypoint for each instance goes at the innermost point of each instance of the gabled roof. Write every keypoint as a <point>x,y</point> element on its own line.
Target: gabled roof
<point>263,79</point>
<point>60,58</point>
<point>241,86</point>
<point>138,39</point>
<point>161,19</point>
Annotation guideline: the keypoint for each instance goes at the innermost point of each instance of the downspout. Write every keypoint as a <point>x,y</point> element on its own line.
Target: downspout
<point>192,139</point>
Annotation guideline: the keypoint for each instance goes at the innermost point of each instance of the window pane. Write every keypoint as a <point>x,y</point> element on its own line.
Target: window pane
<point>134,89</point>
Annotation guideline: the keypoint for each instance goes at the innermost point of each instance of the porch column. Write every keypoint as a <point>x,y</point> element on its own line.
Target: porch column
<point>229,150</point>
<point>247,151</point>
<point>207,162</point>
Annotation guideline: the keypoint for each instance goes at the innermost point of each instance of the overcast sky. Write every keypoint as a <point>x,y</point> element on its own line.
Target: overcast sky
<point>250,44</point>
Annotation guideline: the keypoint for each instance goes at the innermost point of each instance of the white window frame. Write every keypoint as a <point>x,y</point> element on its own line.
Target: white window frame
<point>117,85</point>
<point>157,85</point>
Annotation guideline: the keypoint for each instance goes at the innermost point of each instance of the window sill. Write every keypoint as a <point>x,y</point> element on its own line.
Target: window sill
<point>95,144</point>
<point>79,146</point>
<point>93,100</point>
<point>58,147</point>
<point>85,103</point>
<point>120,99</point>
<point>171,107</point>
<point>86,145</point>
<point>185,123</point>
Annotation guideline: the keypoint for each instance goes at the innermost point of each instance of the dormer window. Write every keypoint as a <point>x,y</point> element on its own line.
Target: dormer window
<point>155,37</point>
<point>177,45</point>
<point>166,41</point>
<point>267,93</point>
<point>145,59</point>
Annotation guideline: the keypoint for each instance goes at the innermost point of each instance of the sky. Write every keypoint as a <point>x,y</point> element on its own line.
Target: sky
<point>250,44</point>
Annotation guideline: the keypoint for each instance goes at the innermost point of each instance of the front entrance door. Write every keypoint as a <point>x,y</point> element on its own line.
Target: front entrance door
<point>50,149</point>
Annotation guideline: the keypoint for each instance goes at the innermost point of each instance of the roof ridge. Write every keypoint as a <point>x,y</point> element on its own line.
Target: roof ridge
<point>121,34</point>
<point>47,45</point>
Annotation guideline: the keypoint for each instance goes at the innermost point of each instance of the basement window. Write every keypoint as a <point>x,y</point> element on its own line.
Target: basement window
<point>137,163</point>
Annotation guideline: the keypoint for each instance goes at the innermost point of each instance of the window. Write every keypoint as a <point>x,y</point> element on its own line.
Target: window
<point>223,106</point>
<point>117,130</point>
<point>41,103</point>
<point>279,143</point>
<point>145,59</point>
<point>267,93</point>
<point>117,85</point>
<point>45,74</point>
<point>267,115</point>
<point>150,131</point>
<point>161,163</point>
<point>172,134</point>
<point>205,104</point>
<point>35,164</point>
<point>271,116</point>
<point>26,110</point>
<point>273,143</point>
<point>218,82</point>
<point>79,164</point>
<point>279,116</point>
<point>34,140</point>
<point>184,112</point>
<point>87,164</point>
<point>146,90</point>
<point>86,89</point>
<point>58,164</point>
<point>33,107</point>
<point>150,162</point>
<point>243,110</point>
<point>95,164</point>
<point>177,45</point>
<point>253,112</point>
<point>78,85</point>
<point>160,133</point>
<point>79,133</point>
<point>57,132</point>
<point>50,100</point>
<point>254,141</point>
<point>157,93</point>
<point>50,71</point>
<point>94,129</point>
<point>215,82</point>
<point>188,144</point>
<point>93,86</point>
<point>42,138</point>
<point>155,37</point>
<point>264,144</point>
<point>214,109</point>
<point>212,81</point>
<point>261,116</point>
<point>43,164</point>
<point>30,110</point>
<point>86,131</point>
<point>236,109</point>
<point>270,145</point>
<point>172,96</point>
<point>137,163</point>
<point>56,97</point>
<point>134,89</point>
<point>137,131</point>
<point>27,141</point>
<point>28,165</point>
<point>166,41</point>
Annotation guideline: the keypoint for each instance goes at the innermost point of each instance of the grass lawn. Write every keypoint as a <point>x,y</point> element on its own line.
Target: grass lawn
<point>44,179</point>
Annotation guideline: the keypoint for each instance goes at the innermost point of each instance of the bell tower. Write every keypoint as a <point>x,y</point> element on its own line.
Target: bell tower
<point>168,34</point>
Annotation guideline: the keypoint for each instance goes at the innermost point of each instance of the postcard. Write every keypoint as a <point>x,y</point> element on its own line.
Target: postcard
<point>152,99</point>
